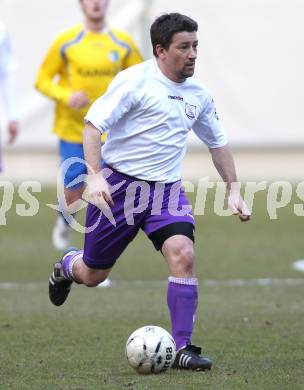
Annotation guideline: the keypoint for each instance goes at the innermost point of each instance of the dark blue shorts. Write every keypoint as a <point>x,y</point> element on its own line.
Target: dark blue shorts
<point>72,164</point>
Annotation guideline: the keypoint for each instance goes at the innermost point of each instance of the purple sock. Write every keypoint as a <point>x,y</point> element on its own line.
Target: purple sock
<point>182,303</point>
<point>68,261</point>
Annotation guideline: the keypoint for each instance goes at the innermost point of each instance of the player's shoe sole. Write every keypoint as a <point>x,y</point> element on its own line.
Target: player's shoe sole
<point>189,358</point>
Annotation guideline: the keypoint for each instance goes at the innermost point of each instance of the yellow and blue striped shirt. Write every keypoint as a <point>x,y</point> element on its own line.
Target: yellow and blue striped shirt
<point>84,61</point>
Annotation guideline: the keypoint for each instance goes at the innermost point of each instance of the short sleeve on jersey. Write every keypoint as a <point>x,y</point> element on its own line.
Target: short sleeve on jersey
<point>208,126</point>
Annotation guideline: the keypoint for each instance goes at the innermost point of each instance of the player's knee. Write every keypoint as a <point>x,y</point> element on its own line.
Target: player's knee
<point>70,198</point>
<point>72,195</point>
<point>183,258</point>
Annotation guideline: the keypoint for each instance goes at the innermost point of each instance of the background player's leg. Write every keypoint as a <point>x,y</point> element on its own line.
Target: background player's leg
<point>72,195</point>
<point>72,168</point>
<point>62,232</point>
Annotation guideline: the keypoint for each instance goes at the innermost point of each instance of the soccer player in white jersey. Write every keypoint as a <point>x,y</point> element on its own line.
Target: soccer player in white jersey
<point>7,83</point>
<point>148,111</point>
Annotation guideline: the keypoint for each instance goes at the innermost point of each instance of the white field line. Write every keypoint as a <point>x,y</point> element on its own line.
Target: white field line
<point>157,283</point>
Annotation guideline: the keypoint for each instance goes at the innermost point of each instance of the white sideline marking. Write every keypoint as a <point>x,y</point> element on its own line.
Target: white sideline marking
<point>254,282</point>
<point>158,283</point>
<point>298,265</point>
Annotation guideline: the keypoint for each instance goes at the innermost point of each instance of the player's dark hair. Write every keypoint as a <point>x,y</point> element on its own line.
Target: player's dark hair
<point>166,25</point>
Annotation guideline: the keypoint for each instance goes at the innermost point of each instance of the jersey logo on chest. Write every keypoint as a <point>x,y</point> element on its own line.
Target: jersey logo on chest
<point>176,98</point>
<point>190,110</point>
<point>114,56</point>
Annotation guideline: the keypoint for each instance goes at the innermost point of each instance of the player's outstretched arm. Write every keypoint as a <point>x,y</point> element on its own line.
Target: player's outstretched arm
<point>223,161</point>
<point>99,193</point>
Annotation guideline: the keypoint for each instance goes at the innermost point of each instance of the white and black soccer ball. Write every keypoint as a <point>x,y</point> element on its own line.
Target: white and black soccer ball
<point>150,350</point>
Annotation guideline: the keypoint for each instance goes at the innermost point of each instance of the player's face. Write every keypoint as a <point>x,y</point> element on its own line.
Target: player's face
<point>179,59</point>
<point>94,9</point>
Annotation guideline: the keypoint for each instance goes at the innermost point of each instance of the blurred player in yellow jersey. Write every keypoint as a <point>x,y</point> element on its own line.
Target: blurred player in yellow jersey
<point>77,69</point>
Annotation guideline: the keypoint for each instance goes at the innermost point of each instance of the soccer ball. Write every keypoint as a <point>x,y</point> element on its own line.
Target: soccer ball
<point>150,350</point>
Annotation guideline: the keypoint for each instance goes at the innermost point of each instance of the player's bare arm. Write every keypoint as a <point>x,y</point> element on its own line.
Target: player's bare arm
<point>224,163</point>
<point>99,193</point>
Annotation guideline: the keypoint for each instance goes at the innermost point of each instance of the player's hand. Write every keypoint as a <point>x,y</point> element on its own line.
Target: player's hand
<point>238,206</point>
<point>78,100</point>
<point>99,193</point>
<point>13,129</point>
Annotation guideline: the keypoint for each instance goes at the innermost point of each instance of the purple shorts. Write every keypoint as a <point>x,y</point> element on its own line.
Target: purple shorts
<point>138,204</point>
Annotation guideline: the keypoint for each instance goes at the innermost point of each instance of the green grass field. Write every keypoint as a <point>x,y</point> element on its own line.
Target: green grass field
<point>253,332</point>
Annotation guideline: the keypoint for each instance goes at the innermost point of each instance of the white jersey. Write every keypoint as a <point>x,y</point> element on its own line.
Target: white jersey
<point>148,118</point>
<point>7,73</point>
